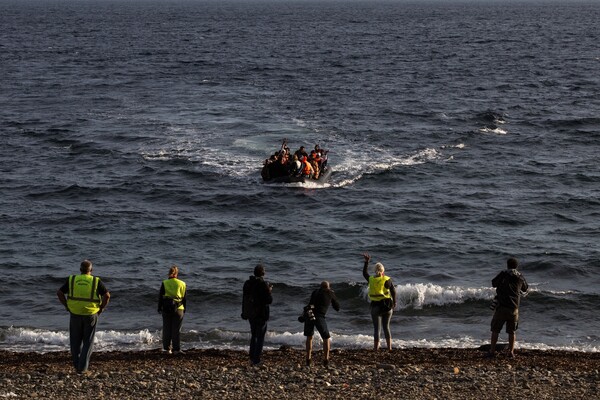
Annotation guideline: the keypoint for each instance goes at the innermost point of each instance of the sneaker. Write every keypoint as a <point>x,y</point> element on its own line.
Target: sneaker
<point>179,352</point>
<point>326,363</point>
<point>168,351</point>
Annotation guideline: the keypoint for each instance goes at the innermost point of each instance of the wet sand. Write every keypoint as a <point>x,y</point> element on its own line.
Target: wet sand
<point>357,374</point>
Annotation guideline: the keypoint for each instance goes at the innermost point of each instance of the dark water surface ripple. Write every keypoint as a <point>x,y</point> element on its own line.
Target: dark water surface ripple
<point>460,133</point>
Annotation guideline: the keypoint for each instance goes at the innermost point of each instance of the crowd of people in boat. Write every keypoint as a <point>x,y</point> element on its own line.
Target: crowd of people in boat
<point>300,164</point>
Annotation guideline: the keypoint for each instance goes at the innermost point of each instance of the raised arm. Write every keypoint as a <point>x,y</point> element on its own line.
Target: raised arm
<point>367,258</point>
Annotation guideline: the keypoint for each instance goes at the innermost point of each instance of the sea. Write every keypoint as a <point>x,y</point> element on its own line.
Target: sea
<point>460,133</point>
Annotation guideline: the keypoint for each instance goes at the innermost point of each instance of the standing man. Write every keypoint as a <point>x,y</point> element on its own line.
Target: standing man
<point>255,308</point>
<point>509,284</point>
<point>320,301</point>
<point>172,304</point>
<point>85,297</point>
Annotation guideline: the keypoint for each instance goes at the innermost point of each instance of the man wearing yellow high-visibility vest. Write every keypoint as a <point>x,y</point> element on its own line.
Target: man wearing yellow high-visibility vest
<point>85,297</point>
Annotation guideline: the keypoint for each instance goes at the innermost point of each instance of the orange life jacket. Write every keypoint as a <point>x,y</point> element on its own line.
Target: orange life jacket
<point>308,169</point>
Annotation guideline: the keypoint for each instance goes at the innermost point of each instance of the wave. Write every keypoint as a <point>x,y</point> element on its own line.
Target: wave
<point>28,339</point>
<point>242,157</point>
<point>416,296</point>
<point>21,339</point>
<point>496,130</point>
<point>412,298</point>
<point>421,295</point>
<point>380,163</point>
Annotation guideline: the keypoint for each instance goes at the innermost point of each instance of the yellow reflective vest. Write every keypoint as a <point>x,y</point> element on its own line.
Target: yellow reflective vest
<point>83,298</point>
<point>175,289</point>
<point>377,289</point>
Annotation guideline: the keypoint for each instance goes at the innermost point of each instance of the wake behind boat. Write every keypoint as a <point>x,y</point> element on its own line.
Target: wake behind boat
<point>301,167</point>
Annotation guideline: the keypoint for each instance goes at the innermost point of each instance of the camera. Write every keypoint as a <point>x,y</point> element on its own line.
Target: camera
<point>494,304</point>
<point>308,314</point>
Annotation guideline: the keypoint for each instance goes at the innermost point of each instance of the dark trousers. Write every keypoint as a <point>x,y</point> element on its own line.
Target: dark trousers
<point>381,318</point>
<point>82,329</point>
<point>171,330</point>
<point>258,330</point>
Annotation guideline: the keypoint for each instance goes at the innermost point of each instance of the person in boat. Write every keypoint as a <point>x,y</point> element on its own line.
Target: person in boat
<point>301,152</point>
<point>275,167</point>
<point>314,162</point>
<point>284,154</point>
<point>295,166</point>
<point>267,167</point>
<point>307,168</point>
<point>322,156</point>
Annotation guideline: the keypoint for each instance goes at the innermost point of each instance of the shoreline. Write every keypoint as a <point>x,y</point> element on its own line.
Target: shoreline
<point>414,373</point>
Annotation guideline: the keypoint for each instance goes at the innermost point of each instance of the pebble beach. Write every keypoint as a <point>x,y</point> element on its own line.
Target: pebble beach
<point>414,373</point>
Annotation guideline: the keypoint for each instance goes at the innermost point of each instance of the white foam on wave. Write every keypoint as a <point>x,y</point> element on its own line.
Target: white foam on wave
<point>243,156</point>
<point>42,341</point>
<point>39,338</point>
<point>496,131</point>
<point>419,295</point>
<point>27,339</point>
<point>378,160</point>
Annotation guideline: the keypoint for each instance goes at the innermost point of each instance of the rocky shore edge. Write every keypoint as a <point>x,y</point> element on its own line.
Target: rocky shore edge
<point>414,373</point>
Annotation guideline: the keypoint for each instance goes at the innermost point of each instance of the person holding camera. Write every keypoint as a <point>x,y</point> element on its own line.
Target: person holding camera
<point>256,298</point>
<point>382,294</point>
<point>314,316</point>
<point>510,286</point>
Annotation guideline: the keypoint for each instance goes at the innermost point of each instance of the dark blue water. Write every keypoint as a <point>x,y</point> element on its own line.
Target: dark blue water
<point>460,134</point>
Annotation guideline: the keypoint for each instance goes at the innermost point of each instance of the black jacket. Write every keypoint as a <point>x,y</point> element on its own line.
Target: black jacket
<point>509,285</point>
<point>321,299</point>
<point>256,299</point>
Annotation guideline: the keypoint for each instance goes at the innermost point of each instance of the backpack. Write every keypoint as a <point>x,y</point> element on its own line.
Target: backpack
<point>248,300</point>
<point>169,305</point>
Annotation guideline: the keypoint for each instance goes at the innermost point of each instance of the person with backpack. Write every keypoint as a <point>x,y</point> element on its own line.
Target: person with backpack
<point>319,303</point>
<point>172,305</point>
<point>510,284</point>
<point>255,308</point>
<point>382,294</point>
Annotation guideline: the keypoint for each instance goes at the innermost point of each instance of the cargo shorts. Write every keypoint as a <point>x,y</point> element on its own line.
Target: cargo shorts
<point>506,315</point>
<point>320,323</point>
